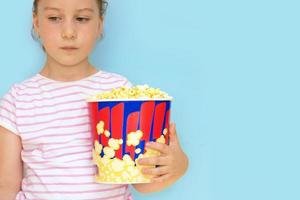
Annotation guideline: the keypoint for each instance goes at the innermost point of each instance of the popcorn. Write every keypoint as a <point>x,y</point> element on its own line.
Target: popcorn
<point>138,151</point>
<point>109,152</point>
<point>128,160</point>
<point>161,139</point>
<point>114,170</point>
<point>137,92</point>
<point>98,147</point>
<point>100,127</point>
<point>106,133</point>
<point>133,138</point>
<point>114,144</point>
<point>117,165</point>
<point>117,171</point>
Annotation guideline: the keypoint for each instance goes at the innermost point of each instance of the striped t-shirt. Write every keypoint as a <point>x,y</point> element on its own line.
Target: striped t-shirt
<point>51,118</point>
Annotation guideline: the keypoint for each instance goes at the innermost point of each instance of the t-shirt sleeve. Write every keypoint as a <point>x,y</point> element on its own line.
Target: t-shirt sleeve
<point>8,111</point>
<point>127,83</point>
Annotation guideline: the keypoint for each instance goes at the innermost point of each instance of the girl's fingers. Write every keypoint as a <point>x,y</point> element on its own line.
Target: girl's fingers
<point>158,160</point>
<point>173,134</point>
<point>156,171</point>
<point>161,178</point>
<point>162,148</point>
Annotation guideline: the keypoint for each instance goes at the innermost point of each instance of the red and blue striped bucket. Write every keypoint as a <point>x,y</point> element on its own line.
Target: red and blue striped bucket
<point>121,117</point>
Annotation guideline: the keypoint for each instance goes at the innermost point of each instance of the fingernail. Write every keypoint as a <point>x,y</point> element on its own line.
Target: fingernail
<point>174,125</point>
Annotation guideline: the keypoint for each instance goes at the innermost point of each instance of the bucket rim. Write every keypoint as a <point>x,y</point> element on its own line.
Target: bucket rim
<point>90,100</point>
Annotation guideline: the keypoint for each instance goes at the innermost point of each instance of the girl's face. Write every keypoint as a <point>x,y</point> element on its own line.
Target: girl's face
<point>68,29</point>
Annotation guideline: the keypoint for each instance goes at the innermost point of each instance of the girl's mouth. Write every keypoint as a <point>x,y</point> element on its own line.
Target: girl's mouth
<point>69,48</point>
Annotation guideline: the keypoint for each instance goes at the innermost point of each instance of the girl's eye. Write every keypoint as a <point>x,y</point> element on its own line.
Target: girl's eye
<point>82,19</point>
<point>54,19</point>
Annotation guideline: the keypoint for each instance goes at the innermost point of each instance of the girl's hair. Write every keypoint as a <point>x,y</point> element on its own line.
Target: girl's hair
<point>102,4</point>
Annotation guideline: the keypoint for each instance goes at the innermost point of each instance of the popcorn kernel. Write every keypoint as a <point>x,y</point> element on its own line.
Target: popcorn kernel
<point>133,138</point>
<point>161,139</point>
<point>137,151</point>
<point>114,144</point>
<point>107,133</point>
<point>100,127</point>
<point>109,152</point>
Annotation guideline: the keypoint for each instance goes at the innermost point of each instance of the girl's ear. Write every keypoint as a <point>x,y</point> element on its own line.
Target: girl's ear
<point>100,27</point>
<point>35,22</point>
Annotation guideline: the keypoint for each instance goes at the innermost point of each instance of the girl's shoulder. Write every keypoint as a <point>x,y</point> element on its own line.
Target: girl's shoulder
<point>104,76</point>
<point>110,75</point>
<point>32,82</point>
<point>36,83</point>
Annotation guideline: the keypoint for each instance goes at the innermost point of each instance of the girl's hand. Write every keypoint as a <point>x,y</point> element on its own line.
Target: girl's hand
<point>172,162</point>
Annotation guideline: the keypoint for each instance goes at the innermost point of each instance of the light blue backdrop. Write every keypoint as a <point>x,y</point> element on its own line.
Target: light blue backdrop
<point>233,69</point>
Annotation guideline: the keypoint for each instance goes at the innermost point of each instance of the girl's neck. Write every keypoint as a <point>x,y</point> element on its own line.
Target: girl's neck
<point>59,72</point>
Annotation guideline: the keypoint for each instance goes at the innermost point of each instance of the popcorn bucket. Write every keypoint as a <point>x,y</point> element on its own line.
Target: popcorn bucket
<point>120,130</point>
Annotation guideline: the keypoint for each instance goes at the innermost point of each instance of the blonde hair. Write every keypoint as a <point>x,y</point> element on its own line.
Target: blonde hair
<point>102,4</point>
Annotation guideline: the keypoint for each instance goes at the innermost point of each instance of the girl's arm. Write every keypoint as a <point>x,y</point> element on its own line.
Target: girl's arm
<point>172,164</point>
<point>11,168</point>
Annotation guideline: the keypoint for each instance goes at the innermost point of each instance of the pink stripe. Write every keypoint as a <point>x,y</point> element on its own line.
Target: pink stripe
<point>4,117</point>
<point>10,95</point>
<point>69,147</point>
<point>53,120</point>
<point>67,154</point>
<point>52,98</point>
<point>111,197</point>
<point>54,127</point>
<point>65,175</point>
<point>66,87</point>
<point>54,149</point>
<point>75,192</point>
<point>125,82</point>
<point>60,143</point>
<point>47,162</point>
<point>34,80</point>
<point>52,113</point>
<point>101,76</point>
<point>52,83</point>
<point>86,137</point>
<point>105,83</point>
<point>72,167</point>
<point>7,101</point>
<point>104,198</point>
<point>61,155</point>
<point>33,87</point>
<point>57,104</point>
<point>90,183</point>
<point>10,112</point>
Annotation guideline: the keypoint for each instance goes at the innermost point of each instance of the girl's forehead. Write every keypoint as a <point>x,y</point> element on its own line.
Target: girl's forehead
<point>63,5</point>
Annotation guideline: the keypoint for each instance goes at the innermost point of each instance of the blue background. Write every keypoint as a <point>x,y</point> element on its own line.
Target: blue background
<point>233,69</point>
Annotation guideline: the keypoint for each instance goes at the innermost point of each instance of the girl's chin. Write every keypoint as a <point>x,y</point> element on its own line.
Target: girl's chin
<point>69,60</point>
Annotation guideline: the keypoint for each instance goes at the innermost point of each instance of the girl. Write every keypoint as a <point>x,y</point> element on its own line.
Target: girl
<point>45,149</point>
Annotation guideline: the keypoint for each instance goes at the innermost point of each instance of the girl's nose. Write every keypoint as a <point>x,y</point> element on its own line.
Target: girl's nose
<point>69,31</point>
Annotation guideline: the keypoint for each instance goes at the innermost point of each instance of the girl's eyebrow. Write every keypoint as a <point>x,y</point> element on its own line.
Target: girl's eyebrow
<point>78,10</point>
<point>52,8</point>
<point>85,9</point>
